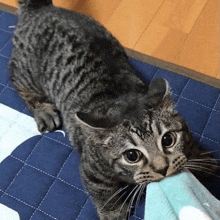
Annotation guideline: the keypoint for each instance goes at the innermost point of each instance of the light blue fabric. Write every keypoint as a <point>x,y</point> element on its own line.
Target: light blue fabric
<point>180,197</point>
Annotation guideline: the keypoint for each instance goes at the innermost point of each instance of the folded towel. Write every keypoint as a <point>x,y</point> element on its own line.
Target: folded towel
<point>180,197</point>
<point>15,128</point>
<point>7,213</point>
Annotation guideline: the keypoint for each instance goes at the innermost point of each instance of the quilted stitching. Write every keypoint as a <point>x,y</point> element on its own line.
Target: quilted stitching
<point>41,179</point>
<point>49,188</point>
<point>211,116</point>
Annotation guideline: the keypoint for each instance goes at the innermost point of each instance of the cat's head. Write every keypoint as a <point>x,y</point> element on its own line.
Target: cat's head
<point>142,139</point>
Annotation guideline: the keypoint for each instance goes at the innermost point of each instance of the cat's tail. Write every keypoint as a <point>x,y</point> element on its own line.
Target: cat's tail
<point>33,4</point>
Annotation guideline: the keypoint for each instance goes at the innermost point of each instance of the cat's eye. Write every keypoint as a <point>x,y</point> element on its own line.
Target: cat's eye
<point>132,156</point>
<point>168,140</point>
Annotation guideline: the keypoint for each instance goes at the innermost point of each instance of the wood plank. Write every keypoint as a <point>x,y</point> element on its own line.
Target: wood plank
<point>151,38</point>
<point>184,14</point>
<point>70,4</point>
<point>161,42</point>
<point>130,19</point>
<point>191,42</point>
<point>170,46</point>
<point>164,36</point>
<point>78,6</point>
<point>12,3</point>
<point>200,51</point>
<point>98,9</point>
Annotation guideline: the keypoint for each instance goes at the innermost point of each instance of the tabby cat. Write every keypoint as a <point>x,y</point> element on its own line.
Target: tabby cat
<point>127,134</point>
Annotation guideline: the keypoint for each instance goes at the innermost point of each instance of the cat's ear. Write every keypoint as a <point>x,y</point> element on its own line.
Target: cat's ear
<point>158,90</point>
<point>94,121</point>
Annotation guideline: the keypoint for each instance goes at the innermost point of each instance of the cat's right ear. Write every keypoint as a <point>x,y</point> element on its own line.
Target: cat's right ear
<point>94,122</point>
<point>157,91</point>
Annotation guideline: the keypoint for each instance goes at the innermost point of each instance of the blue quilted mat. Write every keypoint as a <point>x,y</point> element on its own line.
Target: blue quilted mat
<point>39,174</point>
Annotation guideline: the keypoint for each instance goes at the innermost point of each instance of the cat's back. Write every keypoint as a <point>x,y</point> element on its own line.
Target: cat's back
<point>47,31</point>
<point>60,21</point>
<point>69,56</point>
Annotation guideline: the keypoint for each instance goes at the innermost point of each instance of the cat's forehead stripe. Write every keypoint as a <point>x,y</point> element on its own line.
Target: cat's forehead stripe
<point>144,151</point>
<point>136,138</point>
<point>158,126</point>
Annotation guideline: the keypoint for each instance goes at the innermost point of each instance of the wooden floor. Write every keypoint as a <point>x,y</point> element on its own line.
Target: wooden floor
<point>181,32</point>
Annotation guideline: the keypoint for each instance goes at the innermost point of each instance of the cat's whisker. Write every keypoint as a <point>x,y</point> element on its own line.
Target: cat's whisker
<point>132,200</point>
<point>204,163</point>
<point>192,167</point>
<point>201,165</point>
<point>208,152</point>
<point>204,159</point>
<point>116,193</point>
<point>119,198</point>
<point>127,199</point>
<point>139,195</point>
<point>203,169</point>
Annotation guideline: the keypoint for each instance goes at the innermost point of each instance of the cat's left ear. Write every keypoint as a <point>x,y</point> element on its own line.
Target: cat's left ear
<point>158,91</point>
<point>94,122</point>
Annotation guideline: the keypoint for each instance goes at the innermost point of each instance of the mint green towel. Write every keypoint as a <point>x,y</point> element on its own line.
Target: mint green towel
<point>180,197</point>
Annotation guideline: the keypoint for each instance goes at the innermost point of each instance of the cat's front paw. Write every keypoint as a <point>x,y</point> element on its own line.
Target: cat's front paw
<point>47,117</point>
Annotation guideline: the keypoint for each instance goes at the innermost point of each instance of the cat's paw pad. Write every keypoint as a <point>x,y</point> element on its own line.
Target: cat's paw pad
<point>47,118</point>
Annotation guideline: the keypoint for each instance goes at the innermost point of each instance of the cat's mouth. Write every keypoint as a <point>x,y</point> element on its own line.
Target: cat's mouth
<point>174,172</point>
<point>168,175</point>
<point>146,178</point>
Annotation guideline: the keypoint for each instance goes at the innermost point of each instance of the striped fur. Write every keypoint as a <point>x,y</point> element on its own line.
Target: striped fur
<point>63,61</point>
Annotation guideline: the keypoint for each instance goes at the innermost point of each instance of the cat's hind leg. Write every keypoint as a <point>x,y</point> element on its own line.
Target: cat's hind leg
<point>45,113</point>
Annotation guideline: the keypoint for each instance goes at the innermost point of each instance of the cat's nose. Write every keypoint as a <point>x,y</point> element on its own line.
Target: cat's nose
<point>163,171</point>
<point>160,165</point>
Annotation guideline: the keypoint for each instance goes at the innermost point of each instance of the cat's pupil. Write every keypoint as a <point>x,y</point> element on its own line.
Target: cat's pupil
<point>168,140</point>
<point>133,155</point>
